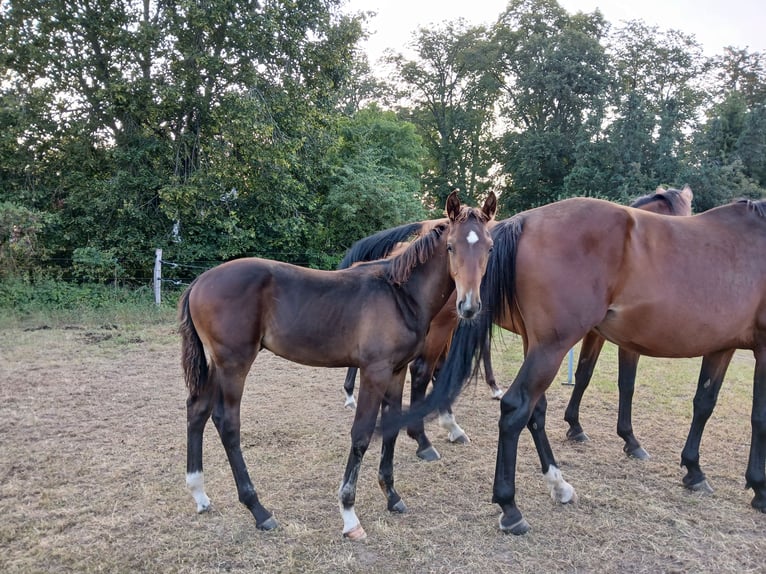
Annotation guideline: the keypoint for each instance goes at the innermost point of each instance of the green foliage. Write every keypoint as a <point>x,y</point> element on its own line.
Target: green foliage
<point>93,266</point>
<point>20,228</point>
<point>553,73</point>
<point>229,128</point>
<point>451,90</point>
<point>375,178</point>
<point>29,301</point>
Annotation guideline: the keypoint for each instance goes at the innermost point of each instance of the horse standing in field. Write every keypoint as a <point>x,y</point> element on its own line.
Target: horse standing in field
<point>388,243</point>
<point>373,316</point>
<point>653,285</point>
<point>665,202</point>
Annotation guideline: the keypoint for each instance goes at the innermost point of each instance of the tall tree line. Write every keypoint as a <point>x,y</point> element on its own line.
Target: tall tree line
<point>222,128</point>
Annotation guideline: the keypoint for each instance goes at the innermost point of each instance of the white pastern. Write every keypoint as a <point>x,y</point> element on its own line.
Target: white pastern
<point>447,422</point>
<point>561,490</point>
<point>472,238</point>
<point>195,482</point>
<point>350,520</point>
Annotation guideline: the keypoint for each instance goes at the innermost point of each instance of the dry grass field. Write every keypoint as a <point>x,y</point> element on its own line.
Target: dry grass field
<point>92,465</point>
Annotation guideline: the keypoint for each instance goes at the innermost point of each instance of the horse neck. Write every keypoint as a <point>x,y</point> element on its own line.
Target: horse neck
<point>430,283</point>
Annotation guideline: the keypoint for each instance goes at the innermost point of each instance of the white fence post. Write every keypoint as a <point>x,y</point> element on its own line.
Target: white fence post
<point>157,276</point>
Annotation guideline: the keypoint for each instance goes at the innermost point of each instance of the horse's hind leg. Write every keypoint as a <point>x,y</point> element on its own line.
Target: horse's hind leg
<point>489,373</point>
<point>226,416</point>
<point>198,409</point>
<point>626,382</point>
<point>756,466</point>
<point>711,377</point>
<point>590,349</point>
<point>348,387</point>
<point>561,490</point>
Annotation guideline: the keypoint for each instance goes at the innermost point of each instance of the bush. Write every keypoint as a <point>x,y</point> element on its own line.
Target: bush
<point>49,300</point>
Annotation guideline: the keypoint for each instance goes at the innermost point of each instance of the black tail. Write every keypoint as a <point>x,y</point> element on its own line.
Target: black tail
<point>379,245</point>
<point>469,341</point>
<point>193,358</point>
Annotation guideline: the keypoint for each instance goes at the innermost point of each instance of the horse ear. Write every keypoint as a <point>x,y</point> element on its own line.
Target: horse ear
<point>490,205</point>
<point>453,205</point>
<point>687,192</point>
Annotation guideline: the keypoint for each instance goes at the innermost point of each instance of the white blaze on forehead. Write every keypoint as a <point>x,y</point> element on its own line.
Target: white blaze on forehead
<point>472,237</point>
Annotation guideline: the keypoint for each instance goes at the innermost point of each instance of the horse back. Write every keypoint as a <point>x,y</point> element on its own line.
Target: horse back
<point>652,284</point>
<point>313,317</point>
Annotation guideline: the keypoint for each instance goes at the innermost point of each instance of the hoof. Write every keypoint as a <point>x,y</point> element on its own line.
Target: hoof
<point>356,533</point>
<point>203,508</point>
<point>517,528</point>
<point>399,507</point>
<point>350,403</point>
<point>429,454</point>
<point>578,437</point>
<point>638,453</point>
<point>497,393</point>
<point>269,524</point>
<point>702,486</point>
<point>460,439</point>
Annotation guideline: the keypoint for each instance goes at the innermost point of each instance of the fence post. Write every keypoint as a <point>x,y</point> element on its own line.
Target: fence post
<point>157,276</point>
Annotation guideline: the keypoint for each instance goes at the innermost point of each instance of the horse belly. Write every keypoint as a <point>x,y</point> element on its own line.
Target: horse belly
<point>661,330</point>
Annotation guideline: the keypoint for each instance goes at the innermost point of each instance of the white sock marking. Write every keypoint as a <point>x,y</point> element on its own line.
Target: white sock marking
<point>561,490</point>
<point>447,422</point>
<point>195,482</point>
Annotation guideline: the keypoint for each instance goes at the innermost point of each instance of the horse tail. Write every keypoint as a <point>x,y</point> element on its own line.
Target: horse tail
<point>469,342</point>
<point>193,358</point>
<point>380,244</point>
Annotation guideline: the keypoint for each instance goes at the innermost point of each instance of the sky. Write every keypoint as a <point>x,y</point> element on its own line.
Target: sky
<point>714,23</point>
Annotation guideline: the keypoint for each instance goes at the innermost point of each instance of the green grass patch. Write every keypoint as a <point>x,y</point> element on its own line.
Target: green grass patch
<point>26,303</point>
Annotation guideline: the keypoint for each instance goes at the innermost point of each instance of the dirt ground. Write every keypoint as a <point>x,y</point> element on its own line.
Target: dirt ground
<point>92,469</point>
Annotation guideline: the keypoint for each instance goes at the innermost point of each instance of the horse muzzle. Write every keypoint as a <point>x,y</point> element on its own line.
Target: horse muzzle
<point>468,306</point>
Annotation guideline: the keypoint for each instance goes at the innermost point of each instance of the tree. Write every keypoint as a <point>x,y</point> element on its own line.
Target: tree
<point>375,183</point>
<point>449,95</point>
<point>552,69</point>
<point>137,116</point>
<point>658,92</point>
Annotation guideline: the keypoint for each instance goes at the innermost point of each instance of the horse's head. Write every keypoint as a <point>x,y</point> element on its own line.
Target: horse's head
<point>469,245</point>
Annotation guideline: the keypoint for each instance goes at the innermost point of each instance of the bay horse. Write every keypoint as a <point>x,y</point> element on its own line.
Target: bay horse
<point>561,270</point>
<point>373,316</point>
<point>666,202</point>
<point>388,243</point>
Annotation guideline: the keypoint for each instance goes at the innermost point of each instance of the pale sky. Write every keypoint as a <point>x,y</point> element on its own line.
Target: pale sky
<point>714,23</point>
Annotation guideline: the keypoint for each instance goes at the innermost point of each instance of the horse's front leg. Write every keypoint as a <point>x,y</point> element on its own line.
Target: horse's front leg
<point>368,404</point>
<point>590,349</point>
<point>626,382</point>
<point>392,407</point>
<point>756,466</point>
<point>711,377</point>
<point>561,490</point>
<point>534,377</point>
<point>226,416</point>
